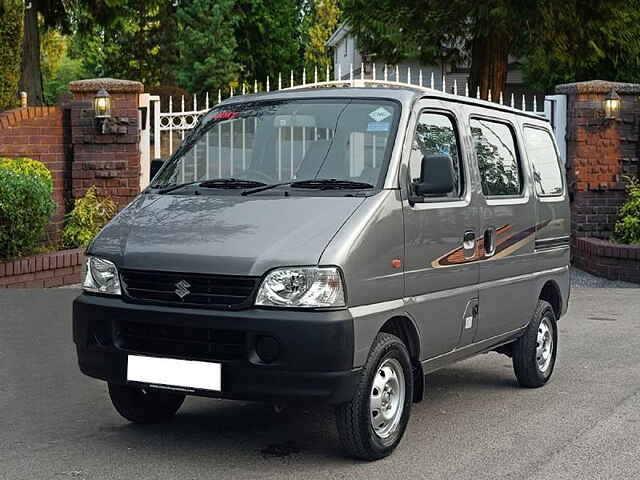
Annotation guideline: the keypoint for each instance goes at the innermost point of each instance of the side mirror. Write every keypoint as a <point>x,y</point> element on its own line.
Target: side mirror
<point>436,176</point>
<point>156,165</point>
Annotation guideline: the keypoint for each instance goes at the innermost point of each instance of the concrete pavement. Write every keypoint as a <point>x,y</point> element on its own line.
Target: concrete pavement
<point>475,422</point>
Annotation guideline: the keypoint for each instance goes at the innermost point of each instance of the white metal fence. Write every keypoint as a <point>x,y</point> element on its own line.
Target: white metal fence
<point>169,128</point>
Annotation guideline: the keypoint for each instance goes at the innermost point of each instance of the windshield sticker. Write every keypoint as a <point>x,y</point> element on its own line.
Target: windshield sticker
<point>378,126</point>
<point>225,115</point>
<point>380,114</point>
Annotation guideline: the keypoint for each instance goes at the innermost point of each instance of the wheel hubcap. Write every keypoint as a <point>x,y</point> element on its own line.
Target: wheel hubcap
<point>387,398</point>
<point>544,345</point>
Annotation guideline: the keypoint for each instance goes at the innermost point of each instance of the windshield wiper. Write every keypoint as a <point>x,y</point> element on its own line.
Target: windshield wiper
<point>263,188</point>
<point>213,183</point>
<point>231,183</point>
<point>331,184</point>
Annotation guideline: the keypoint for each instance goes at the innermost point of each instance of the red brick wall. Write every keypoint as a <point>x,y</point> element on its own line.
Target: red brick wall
<point>47,270</point>
<point>600,154</point>
<point>609,260</point>
<point>41,133</point>
<point>111,161</point>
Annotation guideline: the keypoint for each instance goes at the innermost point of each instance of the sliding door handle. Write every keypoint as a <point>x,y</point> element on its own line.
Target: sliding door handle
<point>469,243</point>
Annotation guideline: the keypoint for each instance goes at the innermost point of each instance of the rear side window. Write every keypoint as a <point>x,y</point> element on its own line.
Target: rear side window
<point>544,158</point>
<point>436,141</point>
<point>495,147</point>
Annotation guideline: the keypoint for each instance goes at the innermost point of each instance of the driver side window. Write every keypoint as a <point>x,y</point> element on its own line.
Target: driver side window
<point>435,149</point>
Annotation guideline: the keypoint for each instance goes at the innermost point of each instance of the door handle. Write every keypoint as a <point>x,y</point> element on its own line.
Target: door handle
<point>489,242</point>
<point>469,243</point>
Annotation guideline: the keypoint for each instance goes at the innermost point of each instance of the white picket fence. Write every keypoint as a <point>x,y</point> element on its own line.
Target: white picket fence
<point>172,126</point>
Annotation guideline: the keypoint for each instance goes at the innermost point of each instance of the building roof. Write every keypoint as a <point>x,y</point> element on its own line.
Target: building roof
<point>340,32</point>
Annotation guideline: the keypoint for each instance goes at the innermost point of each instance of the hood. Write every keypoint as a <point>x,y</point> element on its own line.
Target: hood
<point>230,235</point>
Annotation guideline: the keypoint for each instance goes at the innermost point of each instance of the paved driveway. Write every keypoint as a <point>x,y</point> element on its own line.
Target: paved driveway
<point>474,424</point>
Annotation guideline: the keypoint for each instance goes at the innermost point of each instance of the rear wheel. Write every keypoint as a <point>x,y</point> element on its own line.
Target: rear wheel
<point>372,424</point>
<point>534,354</point>
<point>144,405</point>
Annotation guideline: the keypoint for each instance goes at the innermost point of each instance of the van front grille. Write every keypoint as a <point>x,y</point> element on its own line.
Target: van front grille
<point>189,289</point>
<point>179,341</point>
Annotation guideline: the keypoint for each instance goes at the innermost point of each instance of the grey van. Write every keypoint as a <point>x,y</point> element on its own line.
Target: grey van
<point>331,244</point>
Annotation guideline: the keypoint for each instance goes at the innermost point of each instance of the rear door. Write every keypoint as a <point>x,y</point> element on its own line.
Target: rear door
<point>507,224</point>
<point>440,274</point>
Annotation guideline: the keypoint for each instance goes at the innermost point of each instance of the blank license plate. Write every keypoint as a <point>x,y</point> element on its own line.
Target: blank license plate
<point>175,373</point>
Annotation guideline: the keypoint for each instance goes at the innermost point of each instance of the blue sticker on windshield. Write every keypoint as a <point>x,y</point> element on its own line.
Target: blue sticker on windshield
<point>378,126</point>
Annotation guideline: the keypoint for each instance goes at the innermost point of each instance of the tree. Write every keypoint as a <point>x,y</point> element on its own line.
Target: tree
<point>444,30</point>
<point>323,21</point>
<point>580,40</point>
<point>269,37</point>
<point>133,39</point>
<point>52,14</point>
<point>207,45</point>
<point>10,41</point>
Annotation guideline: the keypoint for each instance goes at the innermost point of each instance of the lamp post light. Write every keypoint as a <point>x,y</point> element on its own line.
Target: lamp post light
<point>612,105</point>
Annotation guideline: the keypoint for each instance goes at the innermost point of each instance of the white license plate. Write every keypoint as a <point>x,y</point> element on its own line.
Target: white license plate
<point>174,373</point>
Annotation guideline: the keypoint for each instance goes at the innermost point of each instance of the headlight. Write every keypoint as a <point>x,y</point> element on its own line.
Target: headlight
<point>302,287</point>
<point>100,276</point>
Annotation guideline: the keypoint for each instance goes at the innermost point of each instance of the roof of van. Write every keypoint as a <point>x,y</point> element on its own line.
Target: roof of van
<point>405,94</point>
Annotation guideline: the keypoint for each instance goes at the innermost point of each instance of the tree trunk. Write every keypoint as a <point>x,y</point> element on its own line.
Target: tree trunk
<point>31,74</point>
<point>489,65</point>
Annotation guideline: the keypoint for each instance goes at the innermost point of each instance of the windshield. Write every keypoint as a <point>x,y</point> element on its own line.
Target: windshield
<point>287,141</point>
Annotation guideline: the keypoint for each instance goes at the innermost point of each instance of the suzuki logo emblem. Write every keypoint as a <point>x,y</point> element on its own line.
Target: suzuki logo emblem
<point>182,288</point>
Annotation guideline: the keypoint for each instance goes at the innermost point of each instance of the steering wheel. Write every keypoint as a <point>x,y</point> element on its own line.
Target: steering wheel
<point>257,175</point>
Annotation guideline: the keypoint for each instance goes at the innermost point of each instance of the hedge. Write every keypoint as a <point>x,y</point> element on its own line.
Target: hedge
<point>10,48</point>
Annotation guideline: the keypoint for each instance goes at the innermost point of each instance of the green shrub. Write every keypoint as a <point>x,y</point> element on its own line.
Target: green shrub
<point>627,229</point>
<point>88,216</point>
<point>27,166</point>
<point>10,50</point>
<point>25,205</point>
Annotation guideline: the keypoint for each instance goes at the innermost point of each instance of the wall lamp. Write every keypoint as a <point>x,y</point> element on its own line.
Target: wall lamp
<point>102,108</point>
<point>612,105</point>
<point>105,123</point>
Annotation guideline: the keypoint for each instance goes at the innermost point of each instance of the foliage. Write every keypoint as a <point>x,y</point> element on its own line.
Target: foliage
<point>44,15</point>
<point>207,45</point>
<point>28,167</point>
<point>579,40</point>
<point>561,41</point>
<point>435,32</point>
<point>323,21</point>
<point>10,41</point>
<point>269,37</point>
<point>132,39</point>
<point>627,229</point>
<point>69,69</point>
<point>89,215</point>
<point>25,205</point>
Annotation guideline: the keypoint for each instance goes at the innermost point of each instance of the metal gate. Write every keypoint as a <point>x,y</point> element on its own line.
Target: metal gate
<point>163,135</point>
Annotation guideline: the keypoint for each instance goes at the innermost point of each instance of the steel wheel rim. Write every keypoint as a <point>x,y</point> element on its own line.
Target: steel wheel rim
<point>386,399</point>
<point>544,345</point>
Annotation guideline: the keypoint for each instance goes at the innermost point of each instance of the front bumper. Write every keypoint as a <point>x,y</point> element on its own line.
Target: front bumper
<point>315,348</point>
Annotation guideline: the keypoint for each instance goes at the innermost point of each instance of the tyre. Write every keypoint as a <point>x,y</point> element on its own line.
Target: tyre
<point>372,424</point>
<point>144,405</point>
<point>534,354</point>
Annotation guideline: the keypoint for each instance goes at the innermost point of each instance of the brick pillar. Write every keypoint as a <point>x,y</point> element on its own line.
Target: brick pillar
<point>600,153</point>
<point>109,161</point>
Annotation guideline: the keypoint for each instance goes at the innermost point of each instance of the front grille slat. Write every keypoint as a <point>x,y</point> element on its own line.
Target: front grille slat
<point>211,291</point>
<point>196,342</point>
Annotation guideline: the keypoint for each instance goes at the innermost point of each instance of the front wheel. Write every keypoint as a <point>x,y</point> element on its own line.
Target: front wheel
<point>144,405</point>
<point>534,354</point>
<point>372,424</point>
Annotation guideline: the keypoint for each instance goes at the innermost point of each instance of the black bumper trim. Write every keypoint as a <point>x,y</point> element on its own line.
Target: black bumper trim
<point>316,348</point>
